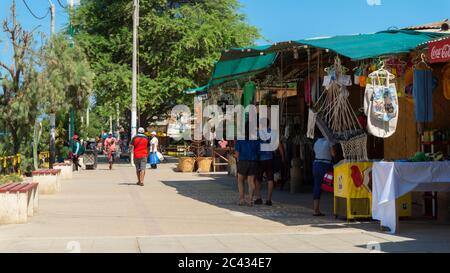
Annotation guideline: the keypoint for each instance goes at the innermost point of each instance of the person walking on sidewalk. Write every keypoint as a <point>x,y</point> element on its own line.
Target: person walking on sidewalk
<point>140,146</point>
<point>110,149</point>
<point>153,158</point>
<point>76,152</point>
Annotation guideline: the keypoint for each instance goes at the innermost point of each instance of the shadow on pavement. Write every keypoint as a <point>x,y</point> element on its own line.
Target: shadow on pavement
<point>417,237</point>
<point>288,209</point>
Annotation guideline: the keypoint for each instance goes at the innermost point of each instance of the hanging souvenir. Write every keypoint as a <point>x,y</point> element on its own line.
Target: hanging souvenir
<point>423,91</point>
<point>381,104</point>
<point>336,113</point>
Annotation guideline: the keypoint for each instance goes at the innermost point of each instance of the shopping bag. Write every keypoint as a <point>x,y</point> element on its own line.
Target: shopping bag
<point>160,156</point>
<point>328,182</point>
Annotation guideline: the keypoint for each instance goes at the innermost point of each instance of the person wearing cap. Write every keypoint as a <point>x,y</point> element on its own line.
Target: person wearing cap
<point>140,146</point>
<point>76,152</point>
<point>110,148</point>
<point>153,158</point>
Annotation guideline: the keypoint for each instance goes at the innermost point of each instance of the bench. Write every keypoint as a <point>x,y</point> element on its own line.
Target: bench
<point>18,201</point>
<point>49,181</point>
<point>66,170</point>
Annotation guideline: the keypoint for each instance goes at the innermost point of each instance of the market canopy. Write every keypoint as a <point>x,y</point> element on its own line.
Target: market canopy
<point>235,69</point>
<point>238,63</point>
<point>355,47</point>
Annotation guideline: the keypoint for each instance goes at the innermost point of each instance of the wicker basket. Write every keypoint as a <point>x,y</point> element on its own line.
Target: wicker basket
<point>204,164</point>
<point>186,164</point>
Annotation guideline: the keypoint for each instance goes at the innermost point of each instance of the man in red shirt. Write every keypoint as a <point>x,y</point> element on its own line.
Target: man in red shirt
<point>140,145</point>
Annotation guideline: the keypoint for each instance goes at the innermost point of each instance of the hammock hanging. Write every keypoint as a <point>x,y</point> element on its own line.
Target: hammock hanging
<point>334,108</point>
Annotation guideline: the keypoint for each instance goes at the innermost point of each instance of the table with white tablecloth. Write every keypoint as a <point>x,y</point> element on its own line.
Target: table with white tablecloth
<point>391,180</point>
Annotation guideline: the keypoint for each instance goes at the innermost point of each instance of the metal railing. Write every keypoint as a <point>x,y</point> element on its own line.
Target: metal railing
<point>10,164</point>
<point>44,159</point>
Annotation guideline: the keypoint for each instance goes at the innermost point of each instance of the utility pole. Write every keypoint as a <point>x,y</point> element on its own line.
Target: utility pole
<point>110,123</point>
<point>117,122</point>
<point>52,114</point>
<point>87,117</point>
<point>134,87</point>
<point>52,12</point>
<point>72,111</point>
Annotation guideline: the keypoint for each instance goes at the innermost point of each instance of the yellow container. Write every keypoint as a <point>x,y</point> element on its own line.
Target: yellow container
<point>353,192</point>
<point>352,197</point>
<point>404,206</point>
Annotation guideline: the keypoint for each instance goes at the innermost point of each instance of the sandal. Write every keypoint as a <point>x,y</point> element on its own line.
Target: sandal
<point>241,203</point>
<point>319,215</point>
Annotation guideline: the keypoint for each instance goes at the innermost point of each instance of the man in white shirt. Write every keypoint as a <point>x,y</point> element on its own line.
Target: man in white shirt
<point>154,161</point>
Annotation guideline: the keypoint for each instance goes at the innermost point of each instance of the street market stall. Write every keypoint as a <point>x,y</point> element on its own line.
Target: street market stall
<point>364,93</point>
<point>425,172</point>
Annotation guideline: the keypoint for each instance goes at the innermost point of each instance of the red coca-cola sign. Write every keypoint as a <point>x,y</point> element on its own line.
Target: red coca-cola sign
<point>439,51</point>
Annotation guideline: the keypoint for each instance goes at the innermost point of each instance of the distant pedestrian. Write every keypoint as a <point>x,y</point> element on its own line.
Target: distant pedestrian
<point>76,152</point>
<point>110,149</point>
<point>153,158</point>
<point>140,146</point>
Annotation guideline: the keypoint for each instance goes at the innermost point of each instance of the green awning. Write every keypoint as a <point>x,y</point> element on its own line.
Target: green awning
<point>242,67</point>
<point>356,47</point>
<point>225,71</point>
<point>364,46</point>
<point>238,63</point>
<point>198,90</point>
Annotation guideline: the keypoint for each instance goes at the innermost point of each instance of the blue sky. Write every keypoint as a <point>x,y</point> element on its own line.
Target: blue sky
<point>281,20</point>
<point>40,8</point>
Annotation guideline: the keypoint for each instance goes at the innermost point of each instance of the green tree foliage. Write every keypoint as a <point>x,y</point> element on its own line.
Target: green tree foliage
<point>53,78</point>
<point>21,93</point>
<point>66,77</point>
<point>179,41</point>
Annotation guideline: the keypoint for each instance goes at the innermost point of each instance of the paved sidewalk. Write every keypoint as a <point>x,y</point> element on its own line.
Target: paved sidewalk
<point>104,211</point>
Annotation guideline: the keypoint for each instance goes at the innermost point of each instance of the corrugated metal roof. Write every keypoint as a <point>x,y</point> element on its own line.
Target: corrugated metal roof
<point>441,25</point>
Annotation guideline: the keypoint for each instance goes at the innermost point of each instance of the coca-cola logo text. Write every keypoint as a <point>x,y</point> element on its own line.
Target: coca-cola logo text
<point>440,52</point>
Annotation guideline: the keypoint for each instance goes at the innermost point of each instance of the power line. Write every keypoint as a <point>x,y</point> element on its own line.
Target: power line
<point>62,6</point>
<point>32,13</point>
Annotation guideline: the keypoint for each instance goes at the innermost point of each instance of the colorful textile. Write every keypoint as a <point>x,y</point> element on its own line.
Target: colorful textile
<point>446,82</point>
<point>249,93</point>
<point>384,104</point>
<point>423,95</point>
